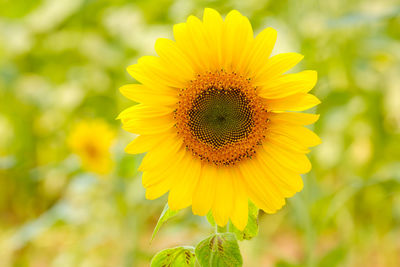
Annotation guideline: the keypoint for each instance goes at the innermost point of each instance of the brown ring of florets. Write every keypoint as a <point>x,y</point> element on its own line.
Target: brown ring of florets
<point>236,143</point>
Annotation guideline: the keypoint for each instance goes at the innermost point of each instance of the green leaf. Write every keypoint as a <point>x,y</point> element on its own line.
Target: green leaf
<point>251,229</point>
<point>165,215</point>
<point>174,257</point>
<point>219,250</point>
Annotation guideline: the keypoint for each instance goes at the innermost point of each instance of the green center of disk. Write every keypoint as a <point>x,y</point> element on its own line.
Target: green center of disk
<point>220,117</point>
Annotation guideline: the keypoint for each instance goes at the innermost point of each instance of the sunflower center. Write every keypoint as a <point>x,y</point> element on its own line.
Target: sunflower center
<point>91,150</point>
<point>221,118</point>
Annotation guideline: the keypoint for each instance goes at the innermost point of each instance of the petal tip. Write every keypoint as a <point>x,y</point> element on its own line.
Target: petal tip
<point>233,13</point>
<point>240,225</point>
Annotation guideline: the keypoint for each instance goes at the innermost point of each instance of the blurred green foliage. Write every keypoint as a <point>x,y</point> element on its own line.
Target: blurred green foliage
<point>62,61</point>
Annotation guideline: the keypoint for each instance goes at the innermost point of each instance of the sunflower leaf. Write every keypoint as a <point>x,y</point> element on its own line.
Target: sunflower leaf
<point>251,229</point>
<point>174,257</point>
<point>165,215</point>
<point>219,250</point>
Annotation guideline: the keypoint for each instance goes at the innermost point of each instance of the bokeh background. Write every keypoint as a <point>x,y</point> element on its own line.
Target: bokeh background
<point>61,64</point>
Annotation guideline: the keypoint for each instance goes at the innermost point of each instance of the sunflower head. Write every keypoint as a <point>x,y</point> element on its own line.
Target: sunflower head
<point>91,141</point>
<point>216,119</point>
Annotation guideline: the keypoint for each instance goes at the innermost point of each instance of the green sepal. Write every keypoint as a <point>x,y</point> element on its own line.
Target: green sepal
<point>251,229</point>
<point>210,218</point>
<point>165,215</point>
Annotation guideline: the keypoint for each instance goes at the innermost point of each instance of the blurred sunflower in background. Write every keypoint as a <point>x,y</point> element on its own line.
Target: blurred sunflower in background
<point>91,141</point>
<point>213,119</point>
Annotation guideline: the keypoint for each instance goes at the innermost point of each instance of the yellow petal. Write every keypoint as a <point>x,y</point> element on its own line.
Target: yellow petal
<point>261,50</point>
<point>223,202</point>
<point>152,70</point>
<point>143,111</point>
<point>295,162</point>
<point>147,120</point>
<point>260,190</point>
<point>148,78</point>
<point>160,188</point>
<point>287,143</point>
<point>153,125</point>
<point>164,170</point>
<point>204,194</point>
<point>239,214</point>
<point>186,44</point>
<point>237,38</point>
<point>158,185</point>
<point>173,57</point>
<point>299,134</point>
<point>192,40</point>
<point>143,143</point>
<point>288,181</point>
<point>161,180</point>
<point>242,56</point>
<point>162,153</point>
<point>296,102</point>
<point>276,66</point>
<point>294,118</point>
<point>213,24</point>
<point>181,193</point>
<point>289,84</point>
<point>265,180</point>
<point>270,178</point>
<point>143,94</point>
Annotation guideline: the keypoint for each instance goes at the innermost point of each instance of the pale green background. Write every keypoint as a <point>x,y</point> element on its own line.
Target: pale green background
<point>61,61</point>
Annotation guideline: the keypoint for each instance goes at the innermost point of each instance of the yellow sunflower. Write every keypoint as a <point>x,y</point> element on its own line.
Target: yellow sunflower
<point>213,118</point>
<point>91,141</point>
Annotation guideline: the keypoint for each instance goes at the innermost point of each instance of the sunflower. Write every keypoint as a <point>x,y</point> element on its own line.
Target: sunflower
<point>91,141</point>
<point>216,119</point>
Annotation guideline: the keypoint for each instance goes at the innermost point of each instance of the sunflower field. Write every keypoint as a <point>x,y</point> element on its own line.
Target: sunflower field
<point>76,190</point>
